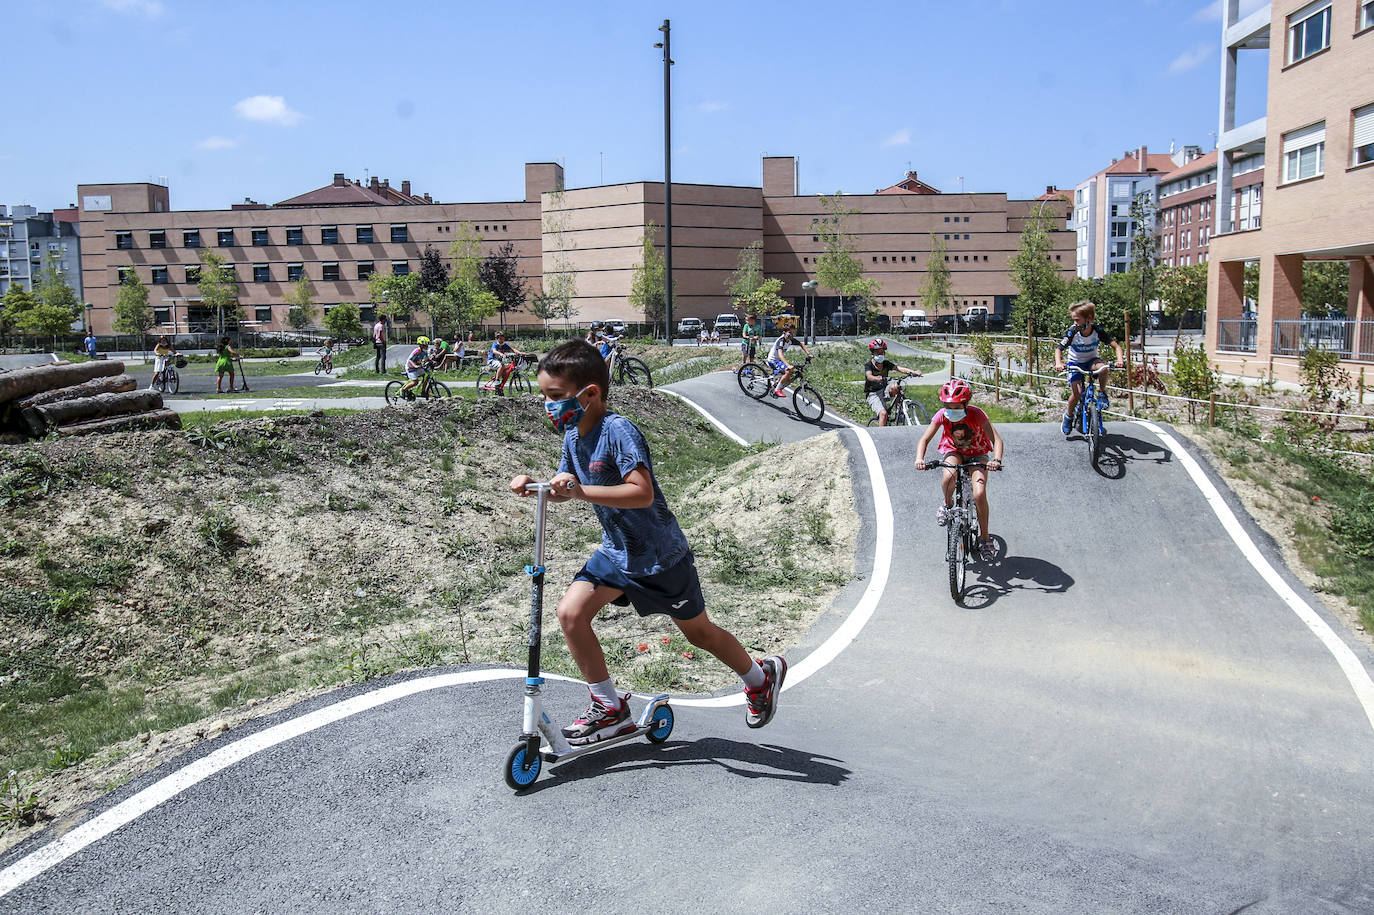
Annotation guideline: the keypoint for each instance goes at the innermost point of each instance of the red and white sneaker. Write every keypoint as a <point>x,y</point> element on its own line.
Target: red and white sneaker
<point>599,722</point>
<point>762,702</point>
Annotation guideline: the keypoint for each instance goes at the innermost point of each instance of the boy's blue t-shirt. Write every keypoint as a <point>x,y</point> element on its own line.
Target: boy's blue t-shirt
<point>641,541</point>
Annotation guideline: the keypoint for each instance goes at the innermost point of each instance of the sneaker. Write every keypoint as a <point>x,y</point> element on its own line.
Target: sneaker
<point>987,549</point>
<point>408,395</point>
<point>1067,425</point>
<point>942,516</point>
<point>762,702</point>
<point>600,723</point>
<point>779,393</point>
<point>1103,402</point>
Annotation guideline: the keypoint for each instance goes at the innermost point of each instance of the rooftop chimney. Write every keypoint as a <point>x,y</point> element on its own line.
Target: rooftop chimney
<point>1050,189</point>
<point>405,188</point>
<point>375,184</point>
<point>339,179</point>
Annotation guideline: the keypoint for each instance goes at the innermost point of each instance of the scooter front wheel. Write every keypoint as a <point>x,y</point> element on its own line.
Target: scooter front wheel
<point>520,771</point>
<point>660,724</point>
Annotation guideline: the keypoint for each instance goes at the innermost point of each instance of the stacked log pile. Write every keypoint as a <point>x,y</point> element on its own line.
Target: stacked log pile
<point>77,399</point>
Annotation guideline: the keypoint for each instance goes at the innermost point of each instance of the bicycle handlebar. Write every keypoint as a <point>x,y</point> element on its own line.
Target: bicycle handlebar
<point>1069,373</point>
<point>966,465</point>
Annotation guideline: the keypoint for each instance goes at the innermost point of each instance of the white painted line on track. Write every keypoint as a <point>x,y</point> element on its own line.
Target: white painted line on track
<point>724,429</point>
<point>82,836</point>
<point>1350,665</point>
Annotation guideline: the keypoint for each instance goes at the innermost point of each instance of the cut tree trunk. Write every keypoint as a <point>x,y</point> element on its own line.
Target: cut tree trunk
<point>87,389</point>
<point>66,412</point>
<point>21,383</point>
<point>165,417</point>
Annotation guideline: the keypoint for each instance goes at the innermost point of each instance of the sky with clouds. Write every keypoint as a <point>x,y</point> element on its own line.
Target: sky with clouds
<point>267,99</point>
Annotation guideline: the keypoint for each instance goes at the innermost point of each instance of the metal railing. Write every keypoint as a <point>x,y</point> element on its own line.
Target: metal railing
<point>1351,340</point>
<point>1237,335</point>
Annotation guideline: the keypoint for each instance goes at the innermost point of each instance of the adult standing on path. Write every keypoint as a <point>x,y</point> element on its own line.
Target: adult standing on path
<point>379,345</point>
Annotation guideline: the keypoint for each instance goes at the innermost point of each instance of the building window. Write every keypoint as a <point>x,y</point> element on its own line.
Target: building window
<point>329,235</point>
<point>946,219</point>
<point>193,273</point>
<point>1119,230</point>
<point>260,239</point>
<point>364,235</point>
<point>225,238</point>
<point>294,272</point>
<point>124,240</point>
<point>1309,30</point>
<point>262,273</point>
<point>365,269</point>
<point>1304,152</point>
<point>1367,15</point>
<point>295,236</point>
<point>162,314</point>
<point>190,238</point>
<point>157,239</point>
<point>1362,142</point>
<point>329,271</point>
<point>1121,189</point>
<point>126,274</point>
<point>227,273</point>
<point>160,276</point>
<point>400,268</point>
<point>399,233</point>
<point>262,314</point>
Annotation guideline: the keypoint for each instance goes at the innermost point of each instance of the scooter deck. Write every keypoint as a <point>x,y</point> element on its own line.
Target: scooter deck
<point>582,749</point>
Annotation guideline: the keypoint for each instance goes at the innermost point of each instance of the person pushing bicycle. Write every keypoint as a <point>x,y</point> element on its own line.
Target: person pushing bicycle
<point>777,359</point>
<point>965,432</point>
<point>876,371</point>
<point>1083,340</point>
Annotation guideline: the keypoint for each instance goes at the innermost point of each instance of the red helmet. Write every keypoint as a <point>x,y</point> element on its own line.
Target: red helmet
<point>956,390</point>
<point>877,344</point>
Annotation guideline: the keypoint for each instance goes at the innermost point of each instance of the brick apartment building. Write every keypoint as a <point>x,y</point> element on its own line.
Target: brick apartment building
<point>340,234</point>
<point>1317,144</point>
<point>1101,222</point>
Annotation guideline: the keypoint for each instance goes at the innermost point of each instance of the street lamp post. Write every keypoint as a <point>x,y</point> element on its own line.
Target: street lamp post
<point>666,29</point>
<point>809,311</point>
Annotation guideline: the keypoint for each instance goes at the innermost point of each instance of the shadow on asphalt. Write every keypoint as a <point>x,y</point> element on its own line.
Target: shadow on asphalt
<point>747,760</point>
<point>784,405</point>
<point>1118,450</point>
<point>1006,574</point>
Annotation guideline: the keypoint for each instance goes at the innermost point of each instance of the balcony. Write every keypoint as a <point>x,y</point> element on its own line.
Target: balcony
<point>1244,139</point>
<point>1353,341</point>
<point>1236,335</point>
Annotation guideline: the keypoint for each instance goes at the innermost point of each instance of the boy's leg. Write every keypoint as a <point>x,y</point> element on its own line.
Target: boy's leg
<point>762,679</point>
<point>706,635</point>
<point>579,606</point>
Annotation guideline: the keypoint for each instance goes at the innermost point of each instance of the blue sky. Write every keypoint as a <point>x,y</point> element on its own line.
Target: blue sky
<point>267,100</point>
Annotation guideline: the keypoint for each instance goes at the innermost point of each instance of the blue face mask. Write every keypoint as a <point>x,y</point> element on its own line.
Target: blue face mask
<point>566,412</point>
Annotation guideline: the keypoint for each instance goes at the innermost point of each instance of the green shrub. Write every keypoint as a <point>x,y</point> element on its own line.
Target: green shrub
<point>1353,526</point>
<point>1321,373</point>
<point>1194,376</point>
<point>983,349</point>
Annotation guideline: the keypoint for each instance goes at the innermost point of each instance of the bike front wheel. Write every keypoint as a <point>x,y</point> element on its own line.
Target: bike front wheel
<point>808,403</point>
<point>753,380</point>
<point>635,371</point>
<point>171,381</point>
<point>436,390</point>
<point>319,367</point>
<point>914,412</point>
<point>956,554</point>
<point>393,393</point>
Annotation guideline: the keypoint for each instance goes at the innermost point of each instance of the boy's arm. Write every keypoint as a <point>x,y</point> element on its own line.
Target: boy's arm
<point>1120,359</point>
<point>636,492</point>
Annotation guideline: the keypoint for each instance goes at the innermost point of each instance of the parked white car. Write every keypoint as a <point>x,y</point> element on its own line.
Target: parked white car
<point>689,327</point>
<point>728,324</point>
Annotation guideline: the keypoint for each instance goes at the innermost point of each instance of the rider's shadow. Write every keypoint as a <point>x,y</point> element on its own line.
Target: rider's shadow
<point>1005,574</point>
<point>746,760</point>
<point>1119,450</point>
<point>784,405</point>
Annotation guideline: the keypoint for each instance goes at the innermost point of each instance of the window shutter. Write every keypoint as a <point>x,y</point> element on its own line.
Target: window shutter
<point>1308,136</point>
<point>1364,127</point>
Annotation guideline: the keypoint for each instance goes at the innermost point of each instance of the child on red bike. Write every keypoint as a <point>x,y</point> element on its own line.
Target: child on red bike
<point>965,432</point>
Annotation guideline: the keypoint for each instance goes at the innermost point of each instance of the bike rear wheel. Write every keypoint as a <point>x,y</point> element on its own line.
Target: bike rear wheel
<point>635,371</point>
<point>808,403</point>
<point>753,380</point>
<point>484,381</point>
<point>1094,419</point>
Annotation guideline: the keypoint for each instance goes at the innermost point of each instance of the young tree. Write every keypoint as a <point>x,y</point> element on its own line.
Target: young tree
<point>132,313</point>
<point>500,273</point>
<point>647,284</point>
<point>936,292</point>
<point>52,289</point>
<point>397,297</point>
<point>17,301</point>
<point>301,298</point>
<point>560,276</point>
<point>1144,254</point>
<point>1325,288</point>
<point>837,268</point>
<point>218,288</point>
<point>748,275</point>
<point>342,321</point>
<point>1040,291</point>
<point>1182,289</point>
<point>466,300</point>
<point>433,272</point>
<point>764,300</point>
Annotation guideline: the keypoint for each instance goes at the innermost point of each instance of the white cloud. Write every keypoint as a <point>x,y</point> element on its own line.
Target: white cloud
<point>217,143</point>
<point>1192,58</point>
<point>712,107</point>
<point>150,8</point>
<point>900,138</point>
<point>270,108</point>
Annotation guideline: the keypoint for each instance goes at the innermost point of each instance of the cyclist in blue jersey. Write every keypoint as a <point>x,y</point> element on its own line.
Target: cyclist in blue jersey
<point>1082,341</point>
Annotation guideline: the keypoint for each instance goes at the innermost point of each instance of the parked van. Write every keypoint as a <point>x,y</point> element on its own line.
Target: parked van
<point>914,319</point>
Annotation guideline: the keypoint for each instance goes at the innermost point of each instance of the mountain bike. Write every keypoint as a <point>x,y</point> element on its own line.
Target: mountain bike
<point>903,410</point>
<point>1087,415</point>
<point>627,369</point>
<point>961,528</point>
<point>518,381</point>
<point>757,381</point>
<point>427,389</point>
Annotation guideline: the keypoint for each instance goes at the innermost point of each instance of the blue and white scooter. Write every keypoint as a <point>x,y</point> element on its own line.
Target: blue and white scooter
<point>527,758</point>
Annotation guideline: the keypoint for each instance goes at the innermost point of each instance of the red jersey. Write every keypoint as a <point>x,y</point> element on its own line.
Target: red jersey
<point>975,420</point>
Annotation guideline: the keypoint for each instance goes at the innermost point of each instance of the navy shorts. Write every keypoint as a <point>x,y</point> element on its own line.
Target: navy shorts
<point>675,591</point>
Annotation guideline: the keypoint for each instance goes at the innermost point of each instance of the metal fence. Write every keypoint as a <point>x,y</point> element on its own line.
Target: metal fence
<point>1237,335</point>
<point>1351,340</point>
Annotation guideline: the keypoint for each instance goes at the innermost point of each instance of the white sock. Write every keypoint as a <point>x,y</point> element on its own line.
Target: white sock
<point>755,678</point>
<point>605,691</point>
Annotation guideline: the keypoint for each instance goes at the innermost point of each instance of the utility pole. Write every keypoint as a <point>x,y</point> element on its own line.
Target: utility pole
<point>666,29</point>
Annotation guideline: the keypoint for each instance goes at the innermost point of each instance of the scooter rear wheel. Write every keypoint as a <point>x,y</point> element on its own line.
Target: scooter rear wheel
<point>520,772</point>
<point>660,724</point>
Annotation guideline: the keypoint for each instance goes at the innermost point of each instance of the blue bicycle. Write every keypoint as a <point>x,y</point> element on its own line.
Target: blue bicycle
<point>1087,415</point>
